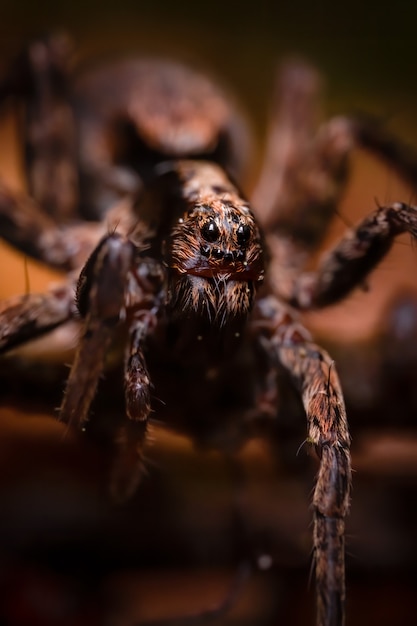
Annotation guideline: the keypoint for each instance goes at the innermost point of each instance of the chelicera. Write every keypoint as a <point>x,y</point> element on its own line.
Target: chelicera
<point>130,170</point>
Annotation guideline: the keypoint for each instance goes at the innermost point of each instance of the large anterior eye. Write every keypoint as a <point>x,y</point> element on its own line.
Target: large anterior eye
<point>210,231</point>
<point>243,234</point>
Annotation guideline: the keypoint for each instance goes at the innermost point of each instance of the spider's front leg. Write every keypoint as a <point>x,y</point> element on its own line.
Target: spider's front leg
<point>129,463</point>
<point>290,346</point>
<point>114,288</point>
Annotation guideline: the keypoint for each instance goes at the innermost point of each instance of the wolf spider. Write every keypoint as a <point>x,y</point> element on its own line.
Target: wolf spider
<point>131,169</point>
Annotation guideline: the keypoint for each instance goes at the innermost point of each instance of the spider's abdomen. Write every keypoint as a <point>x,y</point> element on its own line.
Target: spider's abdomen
<point>136,113</point>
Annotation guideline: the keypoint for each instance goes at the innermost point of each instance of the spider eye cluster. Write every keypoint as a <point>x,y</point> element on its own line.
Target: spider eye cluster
<point>211,233</point>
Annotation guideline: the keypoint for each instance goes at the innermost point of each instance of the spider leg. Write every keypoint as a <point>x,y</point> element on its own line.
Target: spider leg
<point>371,134</point>
<point>314,374</point>
<point>354,257</point>
<point>292,125</point>
<point>304,172</point>
<point>24,225</point>
<point>29,316</point>
<point>114,288</point>
<point>66,247</point>
<point>39,78</point>
<point>101,300</point>
<point>131,437</point>
<point>306,169</point>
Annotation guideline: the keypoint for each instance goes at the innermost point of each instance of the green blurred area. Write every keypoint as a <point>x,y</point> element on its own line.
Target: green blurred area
<point>366,50</point>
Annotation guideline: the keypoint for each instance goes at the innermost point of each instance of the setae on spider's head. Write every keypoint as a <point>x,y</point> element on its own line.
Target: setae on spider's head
<point>214,251</point>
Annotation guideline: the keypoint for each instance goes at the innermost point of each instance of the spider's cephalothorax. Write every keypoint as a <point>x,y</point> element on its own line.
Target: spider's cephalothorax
<point>213,250</point>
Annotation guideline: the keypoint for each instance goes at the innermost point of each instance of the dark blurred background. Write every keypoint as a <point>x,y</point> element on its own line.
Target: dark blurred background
<point>367,50</point>
<point>67,556</point>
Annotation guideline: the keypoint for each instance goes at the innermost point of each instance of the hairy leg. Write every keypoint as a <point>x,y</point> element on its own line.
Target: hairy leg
<point>353,258</point>
<point>304,173</point>
<point>115,288</point>
<point>26,226</point>
<point>129,464</point>
<point>305,165</point>
<point>101,301</point>
<point>29,316</point>
<point>314,375</point>
<point>306,169</point>
<point>39,78</point>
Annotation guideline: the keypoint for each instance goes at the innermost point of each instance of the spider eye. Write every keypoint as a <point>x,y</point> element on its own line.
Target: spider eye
<point>210,231</point>
<point>243,234</point>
